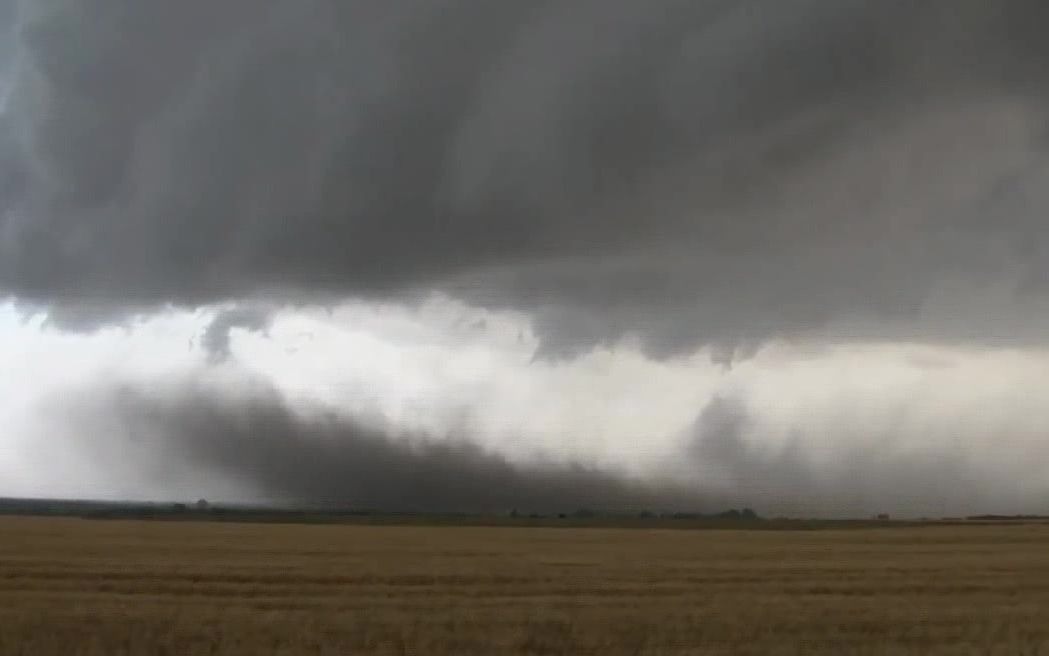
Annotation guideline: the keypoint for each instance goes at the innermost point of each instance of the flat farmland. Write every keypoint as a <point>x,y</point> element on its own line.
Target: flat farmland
<point>79,587</point>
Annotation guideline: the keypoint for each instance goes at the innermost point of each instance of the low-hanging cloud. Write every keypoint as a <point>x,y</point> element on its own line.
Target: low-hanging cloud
<point>215,339</point>
<point>716,172</point>
<point>849,468</point>
<point>254,441</point>
<point>921,454</point>
<point>194,440</point>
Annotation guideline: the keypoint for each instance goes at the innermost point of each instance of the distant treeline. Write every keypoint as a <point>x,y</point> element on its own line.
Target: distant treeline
<point>202,510</point>
<point>182,511</point>
<point>746,514</point>
<point>1007,518</point>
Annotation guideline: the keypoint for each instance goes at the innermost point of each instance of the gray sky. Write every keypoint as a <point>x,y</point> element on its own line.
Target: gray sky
<point>581,212</point>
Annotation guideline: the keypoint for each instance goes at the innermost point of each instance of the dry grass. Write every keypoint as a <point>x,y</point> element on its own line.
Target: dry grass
<point>75,587</point>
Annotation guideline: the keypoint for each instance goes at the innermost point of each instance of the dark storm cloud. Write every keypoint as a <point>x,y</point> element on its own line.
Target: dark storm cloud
<point>253,441</point>
<point>257,441</point>
<point>696,171</point>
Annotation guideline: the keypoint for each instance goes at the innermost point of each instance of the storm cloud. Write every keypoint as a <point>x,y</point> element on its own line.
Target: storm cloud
<point>660,177</point>
<point>189,437</point>
<point>691,172</point>
<point>215,339</point>
<point>268,449</point>
<point>855,468</point>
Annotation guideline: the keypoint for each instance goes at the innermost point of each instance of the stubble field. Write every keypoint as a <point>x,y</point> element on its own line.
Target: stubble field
<point>91,588</point>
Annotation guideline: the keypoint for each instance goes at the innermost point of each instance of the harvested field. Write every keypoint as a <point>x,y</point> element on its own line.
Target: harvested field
<point>75,587</point>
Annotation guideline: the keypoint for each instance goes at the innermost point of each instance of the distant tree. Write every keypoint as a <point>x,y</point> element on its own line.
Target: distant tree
<point>203,504</point>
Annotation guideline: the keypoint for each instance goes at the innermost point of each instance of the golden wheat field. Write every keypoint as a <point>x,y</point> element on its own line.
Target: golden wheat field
<point>78,587</point>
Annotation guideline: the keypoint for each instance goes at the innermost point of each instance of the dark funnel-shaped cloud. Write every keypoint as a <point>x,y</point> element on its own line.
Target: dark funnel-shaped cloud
<point>692,171</point>
<point>257,442</point>
<point>216,337</point>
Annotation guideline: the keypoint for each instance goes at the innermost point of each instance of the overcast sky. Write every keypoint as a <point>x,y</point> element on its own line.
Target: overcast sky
<point>464,254</point>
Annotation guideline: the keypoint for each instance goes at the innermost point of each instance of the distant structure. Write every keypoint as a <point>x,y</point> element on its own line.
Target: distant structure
<point>883,517</point>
